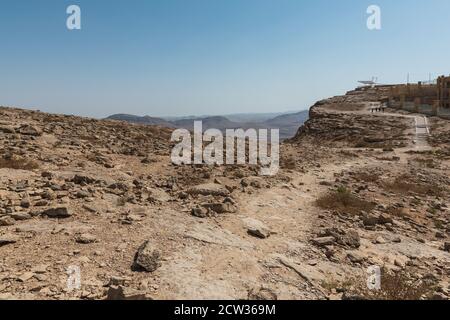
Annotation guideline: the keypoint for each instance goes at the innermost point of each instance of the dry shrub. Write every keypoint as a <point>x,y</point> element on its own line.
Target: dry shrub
<point>397,212</point>
<point>18,163</point>
<point>288,162</point>
<point>366,176</point>
<point>344,201</point>
<point>122,201</point>
<point>400,285</point>
<point>427,163</point>
<point>405,184</point>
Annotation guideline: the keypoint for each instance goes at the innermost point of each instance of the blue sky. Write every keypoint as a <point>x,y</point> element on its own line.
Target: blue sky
<point>184,57</point>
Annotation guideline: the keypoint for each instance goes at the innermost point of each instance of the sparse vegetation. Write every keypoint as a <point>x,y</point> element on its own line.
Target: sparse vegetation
<point>399,285</point>
<point>366,176</point>
<point>122,201</point>
<point>405,184</point>
<point>397,212</point>
<point>343,201</point>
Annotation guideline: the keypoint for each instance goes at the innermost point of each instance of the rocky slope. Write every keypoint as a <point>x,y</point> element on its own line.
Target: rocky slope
<point>355,190</point>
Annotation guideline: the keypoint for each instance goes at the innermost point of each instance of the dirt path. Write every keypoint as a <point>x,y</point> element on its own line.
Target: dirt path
<point>420,128</point>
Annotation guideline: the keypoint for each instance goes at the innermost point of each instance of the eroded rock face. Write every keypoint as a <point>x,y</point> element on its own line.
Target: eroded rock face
<point>147,258</point>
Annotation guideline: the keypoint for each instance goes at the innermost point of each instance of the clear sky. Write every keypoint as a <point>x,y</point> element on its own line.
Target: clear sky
<point>184,57</point>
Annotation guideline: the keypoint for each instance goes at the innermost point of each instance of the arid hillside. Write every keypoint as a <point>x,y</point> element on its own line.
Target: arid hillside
<point>356,190</point>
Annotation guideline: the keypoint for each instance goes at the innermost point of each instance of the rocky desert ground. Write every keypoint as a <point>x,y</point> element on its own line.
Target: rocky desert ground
<point>356,189</point>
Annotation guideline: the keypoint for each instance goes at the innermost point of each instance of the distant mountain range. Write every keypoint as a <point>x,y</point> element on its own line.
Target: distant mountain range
<point>288,123</point>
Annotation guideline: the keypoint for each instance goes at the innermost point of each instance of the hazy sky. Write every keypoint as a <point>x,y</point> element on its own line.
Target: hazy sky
<point>183,57</point>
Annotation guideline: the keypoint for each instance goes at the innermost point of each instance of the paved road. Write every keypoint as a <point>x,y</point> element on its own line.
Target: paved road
<point>422,131</point>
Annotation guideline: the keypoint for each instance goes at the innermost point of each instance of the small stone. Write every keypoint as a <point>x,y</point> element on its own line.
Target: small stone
<point>369,220</point>
<point>20,216</point>
<point>213,189</point>
<point>257,228</point>
<point>200,212</point>
<point>225,207</point>
<point>25,203</point>
<point>25,276</point>
<point>384,219</point>
<point>7,129</point>
<point>124,293</point>
<point>29,130</point>
<point>82,194</point>
<point>61,212</point>
<point>323,241</point>
<point>85,238</point>
<point>40,269</point>
<point>380,240</point>
<point>147,258</point>
<point>350,238</point>
<point>7,240</point>
<point>355,257</point>
<point>6,221</point>
<point>447,246</point>
<point>440,235</point>
<point>117,281</point>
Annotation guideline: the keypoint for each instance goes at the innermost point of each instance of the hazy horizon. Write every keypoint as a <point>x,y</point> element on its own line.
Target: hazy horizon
<point>179,58</point>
